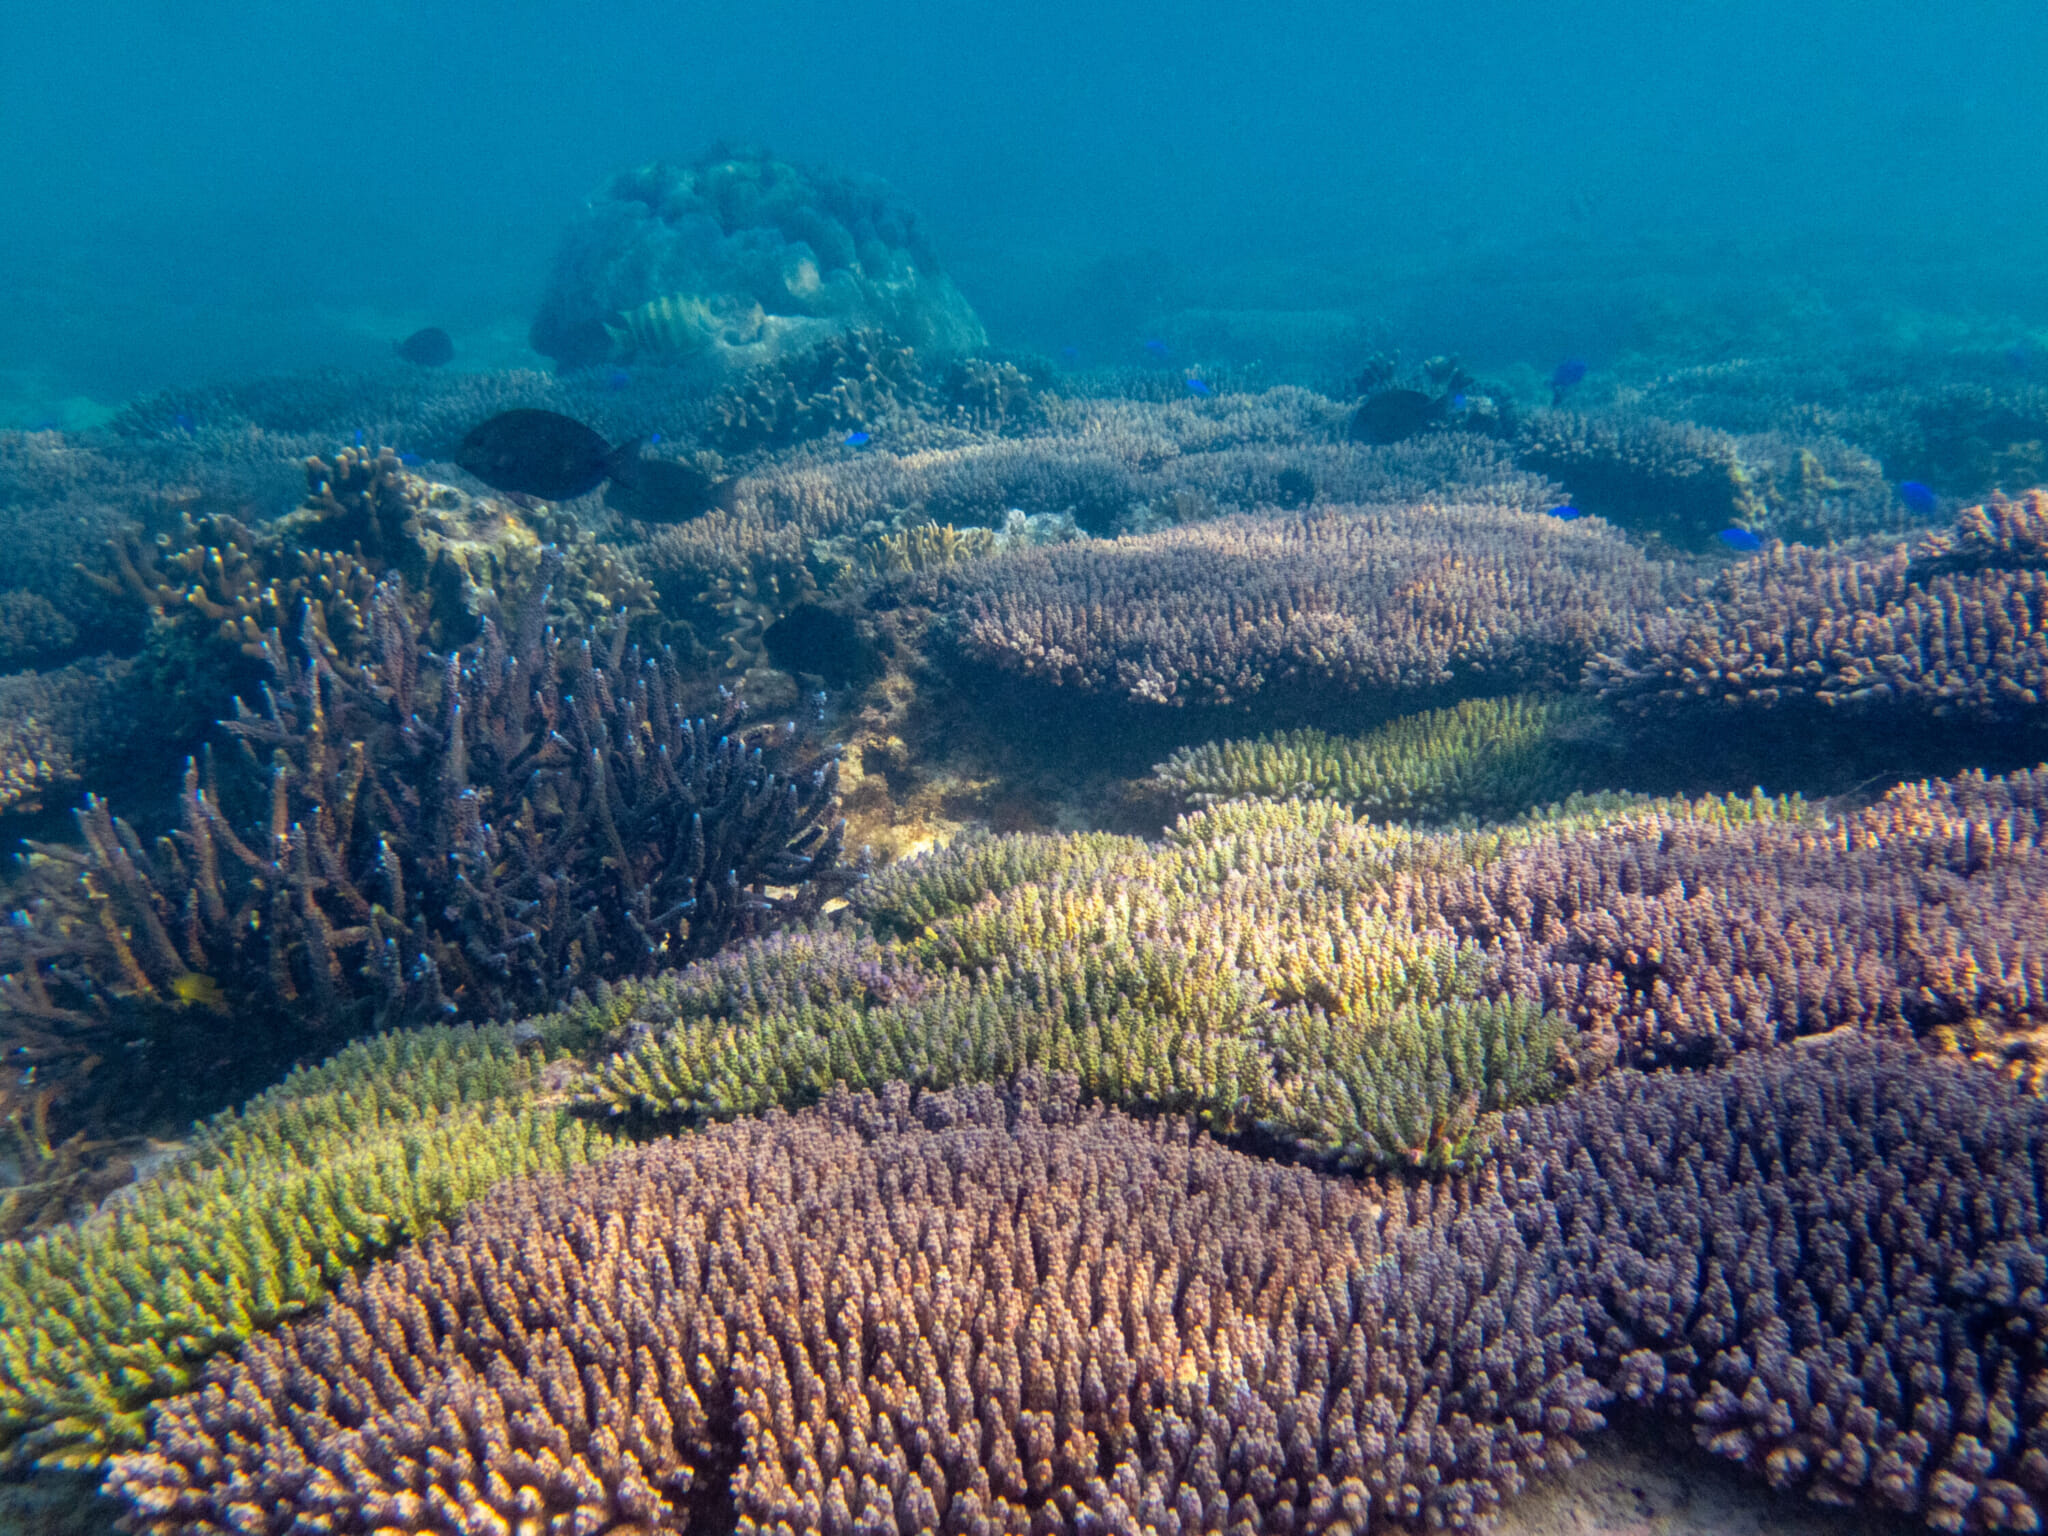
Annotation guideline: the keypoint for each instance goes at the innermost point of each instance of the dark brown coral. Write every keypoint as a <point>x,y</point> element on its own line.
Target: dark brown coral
<point>1385,598</point>
<point>1831,1259</point>
<point>973,1312</point>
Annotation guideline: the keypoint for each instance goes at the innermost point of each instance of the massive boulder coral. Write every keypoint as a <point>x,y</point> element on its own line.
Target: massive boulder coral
<point>1955,627</point>
<point>738,257</point>
<point>1387,599</point>
<point>974,1311</point>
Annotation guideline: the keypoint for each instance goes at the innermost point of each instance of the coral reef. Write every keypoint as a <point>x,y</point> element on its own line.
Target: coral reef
<point>1828,1259</point>
<point>1685,940</point>
<point>1484,757</point>
<point>53,726</point>
<point>32,632</point>
<point>1392,599</point>
<point>978,1311</point>
<point>737,258</point>
<point>1686,482</point>
<point>1952,628</point>
<point>994,1309</point>
<point>259,1219</point>
<point>474,833</point>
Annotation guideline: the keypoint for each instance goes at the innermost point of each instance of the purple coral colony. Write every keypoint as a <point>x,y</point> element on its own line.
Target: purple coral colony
<point>802,924</point>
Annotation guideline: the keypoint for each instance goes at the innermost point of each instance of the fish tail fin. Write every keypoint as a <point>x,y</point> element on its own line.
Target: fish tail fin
<point>623,462</point>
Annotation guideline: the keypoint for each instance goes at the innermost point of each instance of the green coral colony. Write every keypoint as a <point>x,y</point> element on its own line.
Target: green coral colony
<point>1025,952</point>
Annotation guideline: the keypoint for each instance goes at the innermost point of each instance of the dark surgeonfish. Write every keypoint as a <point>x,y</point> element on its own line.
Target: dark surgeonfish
<point>667,491</point>
<point>429,348</point>
<point>544,454</point>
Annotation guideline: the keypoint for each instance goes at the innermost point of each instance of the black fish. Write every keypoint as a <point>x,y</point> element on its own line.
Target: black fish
<point>666,491</point>
<point>429,348</point>
<point>541,453</point>
<point>1394,415</point>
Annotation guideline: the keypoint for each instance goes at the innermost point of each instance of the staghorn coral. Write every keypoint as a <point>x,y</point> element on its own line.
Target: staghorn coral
<point>258,1220</point>
<point>927,547</point>
<point>1485,757</point>
<point>1828,1259</point>
<point>972,1311</point>
<point>1686,940</point>
<point>737,258</point>
<point>473,834</point>
<point>1951,629</point>
<point>1388,599</point>
<point>860,380</point>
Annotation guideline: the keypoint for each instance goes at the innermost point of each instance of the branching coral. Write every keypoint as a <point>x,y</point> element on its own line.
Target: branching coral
<point>1388,599</point>
<point>1485,757</point>
<point>52,727</point>
<point>1687,482</point>
<point>1689,940</point>
<point>967,1311</point>
<point>473,834</point>
<point>1829,1259</point>
<point>257,1221</point>
<point>1955,628</point>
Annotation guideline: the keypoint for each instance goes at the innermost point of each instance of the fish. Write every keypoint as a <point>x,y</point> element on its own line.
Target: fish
<point>195,989</point>
<point>543,453</point>
<point>1564,513</point>
<point>183,422</point>
<point>428,348</point>
<point>668,491</point>
<point>618,378</point>
<point>1740,538</point>
<point>1395,415</point>
<point>856,439</point>
<point>1565,377</point>
<point>359,437</point>
<point>1197,387</point>
<point>1920,500</point>
<point>411,460</point>
<point>1156,347</point>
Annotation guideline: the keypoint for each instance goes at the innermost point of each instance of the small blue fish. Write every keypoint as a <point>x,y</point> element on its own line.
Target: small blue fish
<point>618,378</point>
<point>1568,373</point>
<point>655,438</point>
<point>410,459</point>
<point>359,437</point>
<point>1156,347</point>
<point>182,422</point>
<point>1919,499</point>
<point>1740,538</point>
<point>1564,513</point>
<point>1197,387</point>
<point>1459,402</point>
<point>855,439</point>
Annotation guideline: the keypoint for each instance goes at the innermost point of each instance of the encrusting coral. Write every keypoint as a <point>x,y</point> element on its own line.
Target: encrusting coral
<point>258,1220</point>
<point>1484,757</point>
<point>988,1310</point>
<point>1388,599</point>
<point>975,1311</point>
<point>1953,627</point>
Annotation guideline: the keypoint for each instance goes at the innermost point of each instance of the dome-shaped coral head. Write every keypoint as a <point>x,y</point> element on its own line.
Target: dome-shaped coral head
<point>738,259</point>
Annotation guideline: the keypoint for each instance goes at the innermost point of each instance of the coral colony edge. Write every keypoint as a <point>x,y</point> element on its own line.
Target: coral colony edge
<point>803,923</point>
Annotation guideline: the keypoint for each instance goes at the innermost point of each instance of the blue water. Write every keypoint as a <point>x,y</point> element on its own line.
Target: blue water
<point>197,191</point>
